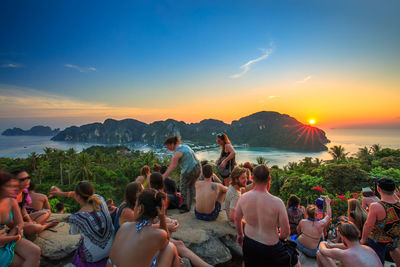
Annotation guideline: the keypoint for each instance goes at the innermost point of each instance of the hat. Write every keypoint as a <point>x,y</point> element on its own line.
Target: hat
<point>319,202</point>
<point>386,184</point>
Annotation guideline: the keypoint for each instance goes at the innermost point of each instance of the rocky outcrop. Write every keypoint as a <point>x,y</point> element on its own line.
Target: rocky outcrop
<point>261,129</point>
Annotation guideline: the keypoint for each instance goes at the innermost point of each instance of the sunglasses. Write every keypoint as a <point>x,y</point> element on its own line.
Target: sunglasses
<point>24,179</point>
<point>220,134</point>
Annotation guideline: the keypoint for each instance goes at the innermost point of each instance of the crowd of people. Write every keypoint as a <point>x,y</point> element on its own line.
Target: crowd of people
<point>138,232</point>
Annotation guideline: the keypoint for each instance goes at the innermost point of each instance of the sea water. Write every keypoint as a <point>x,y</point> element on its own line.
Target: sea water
<point>350,139</point>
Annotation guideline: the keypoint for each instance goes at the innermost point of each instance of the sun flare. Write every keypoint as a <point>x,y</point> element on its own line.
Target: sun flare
<point>312,122</point>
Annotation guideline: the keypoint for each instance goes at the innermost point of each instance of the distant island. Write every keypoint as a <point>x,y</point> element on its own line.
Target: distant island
<point>34,131</point>
<point>261,129</point>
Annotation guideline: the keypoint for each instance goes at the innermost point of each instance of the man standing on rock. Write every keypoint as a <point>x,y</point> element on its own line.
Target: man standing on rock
<point>209,196</point>
<point>264,214</point>
<point>191,170</point>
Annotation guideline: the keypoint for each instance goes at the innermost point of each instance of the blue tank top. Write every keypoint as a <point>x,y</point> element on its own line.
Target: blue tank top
<point>188,159</point>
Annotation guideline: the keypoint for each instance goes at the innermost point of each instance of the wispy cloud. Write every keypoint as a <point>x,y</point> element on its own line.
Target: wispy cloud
<point>11,66</point>
<point>306,79</point>
<point>246,67</point>
<point>20,102</point>
<point>80,69</point>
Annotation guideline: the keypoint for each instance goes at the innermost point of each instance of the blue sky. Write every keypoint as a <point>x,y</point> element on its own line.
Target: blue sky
<point>154,59</point>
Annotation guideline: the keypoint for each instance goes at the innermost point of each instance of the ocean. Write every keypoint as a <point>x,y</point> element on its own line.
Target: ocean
<point>350,139</point>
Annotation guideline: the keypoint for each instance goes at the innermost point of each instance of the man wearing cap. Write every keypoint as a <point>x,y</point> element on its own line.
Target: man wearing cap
<point>382,229</point>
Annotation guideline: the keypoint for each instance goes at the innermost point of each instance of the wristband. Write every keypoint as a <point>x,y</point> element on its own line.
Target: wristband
<point>70,194</point>
<point>19,237</point>
<point>26,215</point>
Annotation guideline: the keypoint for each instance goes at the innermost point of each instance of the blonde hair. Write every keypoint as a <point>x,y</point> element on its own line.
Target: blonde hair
<point>311,211</point>
<point>86,191</point>
<point>360,215</point>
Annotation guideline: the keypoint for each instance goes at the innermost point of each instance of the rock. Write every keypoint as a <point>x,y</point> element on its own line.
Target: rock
<point>211,241</point>
<point>57,247</point>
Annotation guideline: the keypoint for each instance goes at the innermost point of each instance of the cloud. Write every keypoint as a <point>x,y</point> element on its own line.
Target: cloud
<point>20,102</point>
<point>306,79</point>
<point>80,69</point>
<point>11,66</point>
<point>246,67</point>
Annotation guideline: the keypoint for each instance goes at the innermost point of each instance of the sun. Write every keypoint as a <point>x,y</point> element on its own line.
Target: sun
<point>312,122</point>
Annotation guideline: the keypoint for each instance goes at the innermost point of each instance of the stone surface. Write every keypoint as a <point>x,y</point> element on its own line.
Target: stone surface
<point>57,247</point>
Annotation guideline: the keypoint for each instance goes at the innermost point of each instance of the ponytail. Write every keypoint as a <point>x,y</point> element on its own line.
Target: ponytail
<point>95,202</point>
<point>150,200</point>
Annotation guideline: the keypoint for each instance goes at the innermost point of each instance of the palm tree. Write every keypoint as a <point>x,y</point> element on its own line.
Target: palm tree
<point>318,162</point>
<point>48,151</point>
<point>83,168</point>
<point>375,148</point>
<point>261,160</point>
<point>337,152</point>
<point>363,153</point>
<point>33,159</point>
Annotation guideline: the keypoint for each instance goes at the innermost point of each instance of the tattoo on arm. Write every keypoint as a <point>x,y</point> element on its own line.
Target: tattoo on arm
<point>213,186</point>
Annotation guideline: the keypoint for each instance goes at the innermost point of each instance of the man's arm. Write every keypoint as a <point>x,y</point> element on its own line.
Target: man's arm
<point>334,253</point>
<point>239,223</point>
<point>283,222</point>
<point>222,187</point>
<point>46,203</point>
<point>370,222</point>
<point>174,162</point>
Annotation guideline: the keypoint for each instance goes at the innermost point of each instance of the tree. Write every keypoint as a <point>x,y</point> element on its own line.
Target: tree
<point>261,160</point>
<point>375,148</point>
<point>337,152</point>
<point>33,160</point>
<point>83,169</point>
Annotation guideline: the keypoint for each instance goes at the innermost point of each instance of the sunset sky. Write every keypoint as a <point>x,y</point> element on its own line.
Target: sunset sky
<point>76,62</point>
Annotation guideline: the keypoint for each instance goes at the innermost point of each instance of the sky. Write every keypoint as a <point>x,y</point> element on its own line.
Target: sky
<point>72,62</point>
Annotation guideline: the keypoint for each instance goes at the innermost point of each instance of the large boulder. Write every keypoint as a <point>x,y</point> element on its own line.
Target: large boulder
<point>56,244</point>
<point>214,241</point>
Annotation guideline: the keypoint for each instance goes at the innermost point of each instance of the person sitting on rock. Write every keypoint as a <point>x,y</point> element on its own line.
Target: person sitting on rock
<point>209,196</point>
<point>60,207</point>
<point>14,249</point>
<point>311,230</point>
<point>238,177</point>
<point>174,199</point>
<point>214,177</point>
<point>35,222</point>
<point>264,214</point>
<point>139,243</point>
<point>350,252</point>
<point>93,222</point>
<point>111,208</point>
<point>295,213</point>
<point>39,202</point>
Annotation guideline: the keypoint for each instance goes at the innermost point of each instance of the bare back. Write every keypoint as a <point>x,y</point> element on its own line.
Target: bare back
<point>311,232</point>
<point>360,256</point>
<point>139,248</point>
<point>206,196</point>
<point>38,201</point>
<point>262,213</point>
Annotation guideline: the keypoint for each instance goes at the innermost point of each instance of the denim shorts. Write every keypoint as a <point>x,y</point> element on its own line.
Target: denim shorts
<point>307,251</point>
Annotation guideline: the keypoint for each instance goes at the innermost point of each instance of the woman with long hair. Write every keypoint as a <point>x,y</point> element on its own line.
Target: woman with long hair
<point>93,222</point>
<point>311,230</point>
<point>139,243</point>
<point>14,250</point>
<point>295,213</point>
<point>226,161</point>
<point>356,214</point>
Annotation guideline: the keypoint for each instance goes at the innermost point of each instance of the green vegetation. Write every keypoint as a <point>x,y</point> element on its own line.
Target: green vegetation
<point>110,168</point>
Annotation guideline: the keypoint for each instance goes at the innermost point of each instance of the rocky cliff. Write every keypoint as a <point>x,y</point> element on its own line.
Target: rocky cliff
<point>262,129</point>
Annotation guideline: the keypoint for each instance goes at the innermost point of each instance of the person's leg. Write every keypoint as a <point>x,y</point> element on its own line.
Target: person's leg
<point>168,257</point>
<point>40,216</point>
<point>28,252</point>
<point>35,228</point>
<point>17,261</point>
<point>395,254</point>
<point>324,261</point>
<point>184,192</point>
<point>221,197</point>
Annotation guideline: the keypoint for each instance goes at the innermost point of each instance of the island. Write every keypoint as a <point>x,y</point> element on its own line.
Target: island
<point>34,131</point>
<point>261,129</point>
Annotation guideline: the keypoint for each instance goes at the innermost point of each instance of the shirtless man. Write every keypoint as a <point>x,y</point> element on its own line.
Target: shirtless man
<point>350,252</point>
<point>263,213</point>
<point>209,196</point>
<point>39,201</point>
